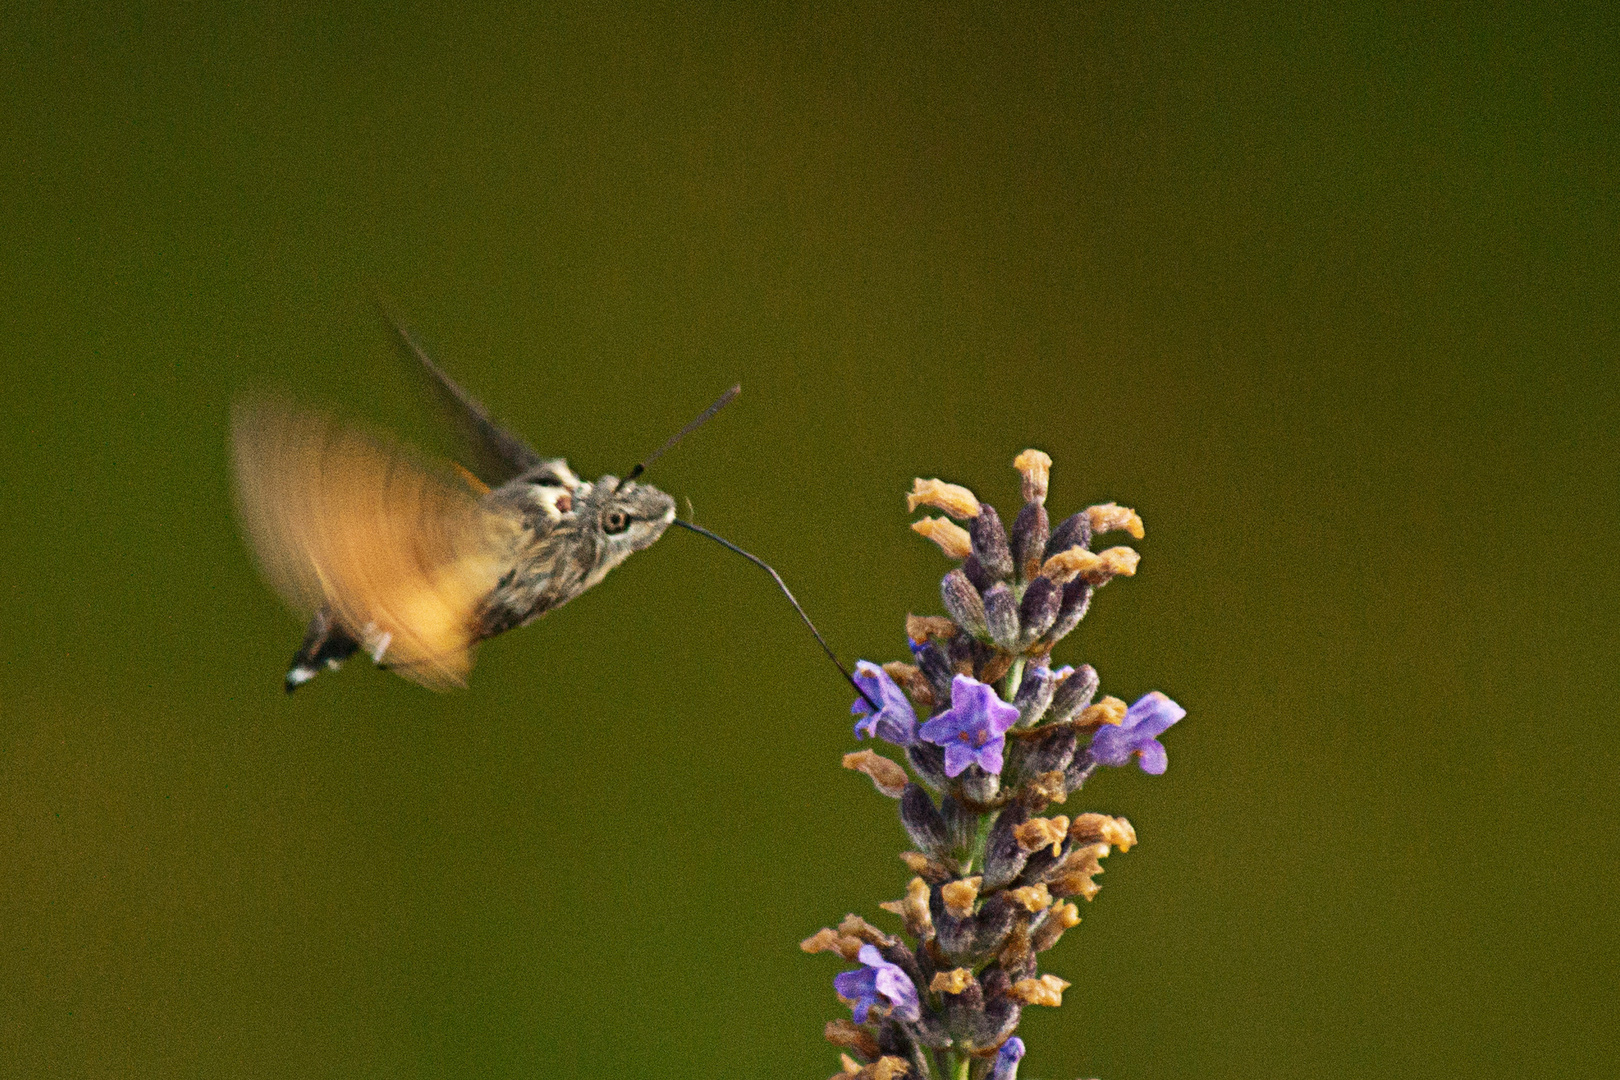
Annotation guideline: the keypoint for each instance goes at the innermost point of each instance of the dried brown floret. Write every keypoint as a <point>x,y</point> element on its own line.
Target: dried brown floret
<point>1049,787</point>
<point>922,628</point>
<point>1110,710</point>
<point>932,870</point>
<point>952,539</point>
<point>1037,833</point>
<point>857,927</point>
<point>887,776</point>
<point>1112,517</point>
<point>994,668</point>
<point>954,981</point>
<point>1046,990</point>
<point>1058,919</point>
<point>959,896</point>
<point>913,908</point>
<point>1032,898</point>
<point>1096,568</point>
<point>1036,469</point>
<point>829,940</point>
<point>909,677</point>
<point>1073,876</point>
<point>853,1036</point>
<point>1092,828</point>
<point>954,499</point>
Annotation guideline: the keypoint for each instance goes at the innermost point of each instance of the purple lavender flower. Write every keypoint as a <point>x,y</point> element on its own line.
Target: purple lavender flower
<point>878,979</point>
<point>895,721</point>
<point>1007,1059</point>
<point>973,730</point>
<point>1137,734</point>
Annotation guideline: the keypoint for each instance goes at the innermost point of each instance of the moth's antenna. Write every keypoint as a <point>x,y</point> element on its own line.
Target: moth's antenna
<point>763,565</point>
<point>702,418</point>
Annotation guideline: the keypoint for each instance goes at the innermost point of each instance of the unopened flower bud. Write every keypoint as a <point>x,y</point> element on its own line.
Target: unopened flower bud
<point>1100,828</point>
<point>1001,616</point>
<point>1028,539</point>
<point>1058,919</point>
<point>888,777</point>
<point>1034,694</point>
<point>1037,833</point>
<point>959,896</point>
<point>933,660</point>
<point>1076,598</point>
<point>922,821</point>
<point>976,573</point>
<point>1073,531</point>
<point>999,918</point>
<point>928,762</point>
<point>1111,517</point>
<point>1003,858</point>
<point>1035,467</point>
<point>960,822</point>
<point>1047,990</point>
<point>964,603</point>
<point>954,499</point>
<point>1109,711</point>
<point>952,539</point>
<point>1073,695</point>
<point>1007,1059</point>
<point>977,786</point>
<point>1038,610</point>
<point>990,544</point>
<point>1048,752</point>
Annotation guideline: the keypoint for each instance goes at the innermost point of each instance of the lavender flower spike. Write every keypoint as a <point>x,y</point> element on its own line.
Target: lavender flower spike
<point>1138,734</point>
<point>878,979</point>
<point>895,722</point>
<point>1007,1059</point>
<point>973,730</point>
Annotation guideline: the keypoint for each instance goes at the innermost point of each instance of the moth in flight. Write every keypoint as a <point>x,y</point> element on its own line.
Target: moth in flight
<point>413,561</point>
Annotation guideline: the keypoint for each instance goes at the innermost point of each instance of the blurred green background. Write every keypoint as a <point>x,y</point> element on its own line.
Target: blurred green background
<point>1331,299</point>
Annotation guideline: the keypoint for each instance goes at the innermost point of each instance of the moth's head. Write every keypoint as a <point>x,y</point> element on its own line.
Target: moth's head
<point>626,515</point>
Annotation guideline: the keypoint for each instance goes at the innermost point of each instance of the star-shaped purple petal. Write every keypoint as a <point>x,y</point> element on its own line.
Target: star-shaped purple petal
<point>1138,734</point>
<point>876,979</point>
<point>973,730</point>
<point>894,721</point>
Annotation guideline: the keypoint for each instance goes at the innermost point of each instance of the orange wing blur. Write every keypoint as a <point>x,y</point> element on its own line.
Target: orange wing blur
<point>401,554</point>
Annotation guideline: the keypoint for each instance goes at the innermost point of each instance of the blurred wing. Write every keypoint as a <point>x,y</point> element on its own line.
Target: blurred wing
<point>403,556</point>
<point>501,454</point>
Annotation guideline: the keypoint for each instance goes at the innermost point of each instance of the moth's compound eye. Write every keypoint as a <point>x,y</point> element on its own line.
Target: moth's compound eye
<point>615,521</point>
<point>548,481</point>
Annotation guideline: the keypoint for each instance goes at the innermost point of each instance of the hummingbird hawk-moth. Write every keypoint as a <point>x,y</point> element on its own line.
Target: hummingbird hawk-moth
<point>413,561</point>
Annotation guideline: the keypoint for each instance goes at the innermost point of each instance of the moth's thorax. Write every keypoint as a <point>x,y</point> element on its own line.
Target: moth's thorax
<point>571,537</point>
